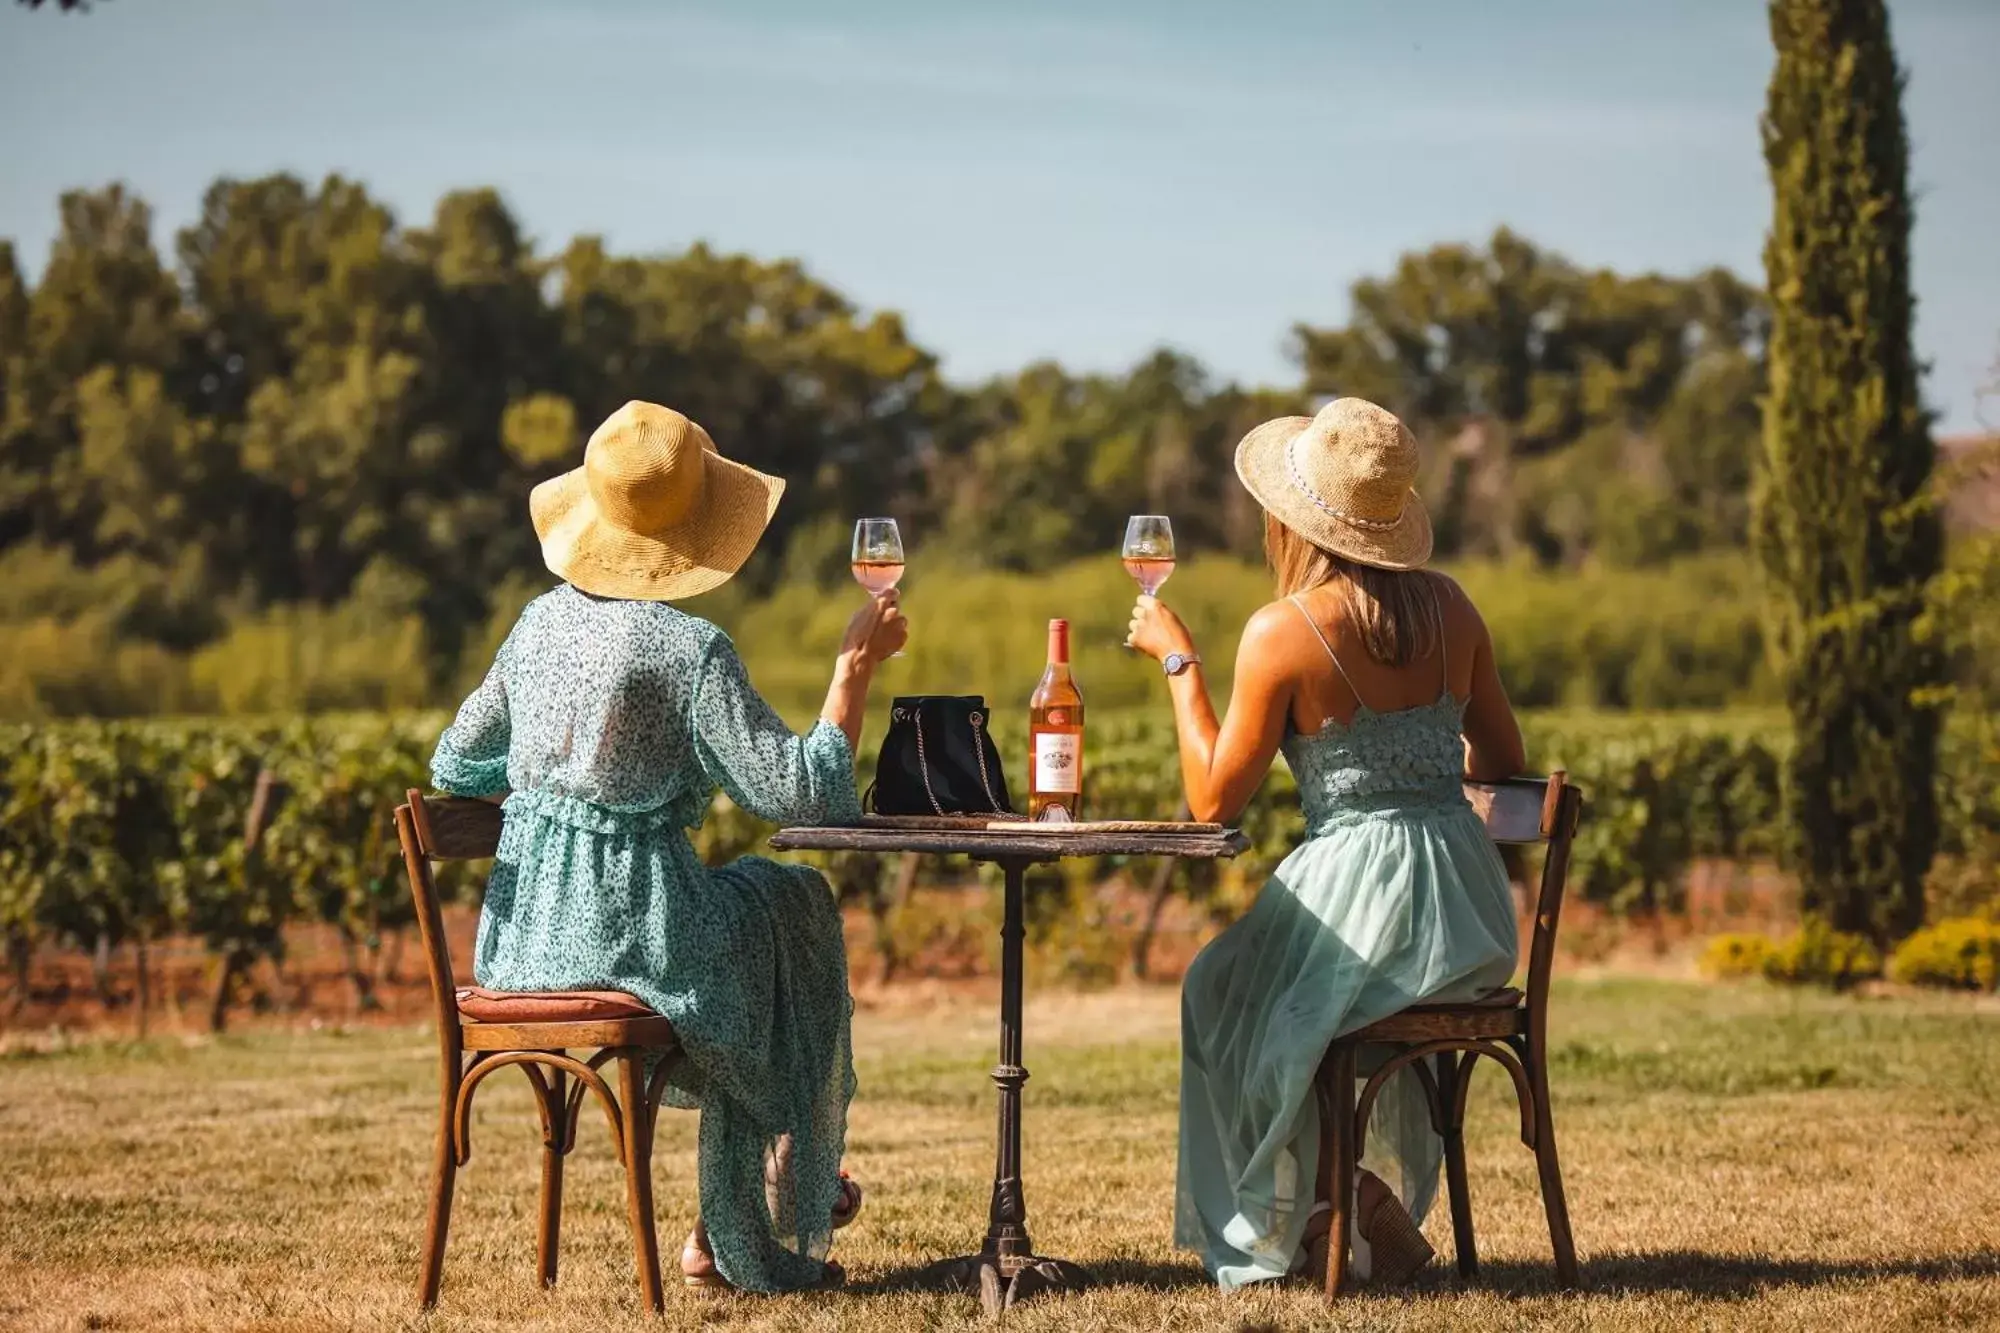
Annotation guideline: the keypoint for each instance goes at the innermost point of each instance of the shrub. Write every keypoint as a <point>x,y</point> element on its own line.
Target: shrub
<point>1733,957</point>
<point>1963,954</point>
<point>1819,955</point>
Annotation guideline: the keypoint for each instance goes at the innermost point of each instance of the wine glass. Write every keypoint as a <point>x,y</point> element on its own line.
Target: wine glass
<point>1149,550</point>
<point>878,556</point>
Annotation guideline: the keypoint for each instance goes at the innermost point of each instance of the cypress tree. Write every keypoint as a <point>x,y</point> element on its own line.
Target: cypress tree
<point>1847,527</point>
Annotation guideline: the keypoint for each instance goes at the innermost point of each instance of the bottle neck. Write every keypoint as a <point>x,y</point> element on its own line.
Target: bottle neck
<point>1059,644</point>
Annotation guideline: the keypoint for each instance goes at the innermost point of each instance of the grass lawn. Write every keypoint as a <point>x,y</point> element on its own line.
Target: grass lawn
<point>1736,1157</point>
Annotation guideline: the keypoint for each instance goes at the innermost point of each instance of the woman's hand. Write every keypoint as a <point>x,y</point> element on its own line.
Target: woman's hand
<point>1157,631</point>
<point>877,630</point>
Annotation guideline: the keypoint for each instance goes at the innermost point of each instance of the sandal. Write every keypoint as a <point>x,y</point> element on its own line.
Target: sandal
<point>699,1273</point>
<point>1384,1247</point>
<point>849,1206</point>
<point>698,1270</point>
<point>1311,1262</point>
<point>1397,1250</point>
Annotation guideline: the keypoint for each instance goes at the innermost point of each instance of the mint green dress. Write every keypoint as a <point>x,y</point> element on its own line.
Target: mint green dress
<point>1396,895</point>
<point>611,723</point>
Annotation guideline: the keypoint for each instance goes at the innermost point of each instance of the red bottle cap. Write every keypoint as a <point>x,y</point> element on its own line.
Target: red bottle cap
<point>1059,641</point>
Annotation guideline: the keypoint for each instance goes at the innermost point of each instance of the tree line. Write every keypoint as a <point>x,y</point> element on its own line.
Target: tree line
<point>308,404</point>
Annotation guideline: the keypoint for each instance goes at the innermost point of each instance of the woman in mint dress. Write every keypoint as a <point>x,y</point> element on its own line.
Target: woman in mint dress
<point>1376,681</point>
<point>610,718</point>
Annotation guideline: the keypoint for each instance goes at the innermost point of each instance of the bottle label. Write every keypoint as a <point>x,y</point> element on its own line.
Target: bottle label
<point>1058,762</point>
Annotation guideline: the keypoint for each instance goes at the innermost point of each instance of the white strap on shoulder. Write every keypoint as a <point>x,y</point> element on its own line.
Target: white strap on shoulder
<point>1332,656</point>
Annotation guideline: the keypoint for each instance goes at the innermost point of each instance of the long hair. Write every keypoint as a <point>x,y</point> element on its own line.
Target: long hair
<point>1397,611</point>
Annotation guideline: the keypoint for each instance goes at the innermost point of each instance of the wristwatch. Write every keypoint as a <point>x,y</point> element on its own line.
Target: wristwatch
<point>1175,663</point>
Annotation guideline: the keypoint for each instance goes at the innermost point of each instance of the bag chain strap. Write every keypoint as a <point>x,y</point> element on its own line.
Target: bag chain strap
<point>978,749</point>
<point>923,760</point>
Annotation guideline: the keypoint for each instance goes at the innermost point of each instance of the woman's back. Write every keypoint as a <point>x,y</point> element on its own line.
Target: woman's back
<point>636,708</point>
<point>599,693</point>
<point>1357,757</point>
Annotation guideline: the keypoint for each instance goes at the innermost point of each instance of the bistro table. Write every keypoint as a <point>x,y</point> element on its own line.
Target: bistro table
<point>1007,1270</point>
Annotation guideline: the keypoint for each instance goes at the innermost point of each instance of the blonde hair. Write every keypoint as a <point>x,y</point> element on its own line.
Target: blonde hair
<point>1399,612</point>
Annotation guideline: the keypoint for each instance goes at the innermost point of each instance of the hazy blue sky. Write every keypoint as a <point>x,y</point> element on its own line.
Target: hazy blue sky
<point>1076,180</point>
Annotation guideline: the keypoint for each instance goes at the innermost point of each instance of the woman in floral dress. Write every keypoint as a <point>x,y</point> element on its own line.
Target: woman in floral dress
<point>609,718</point>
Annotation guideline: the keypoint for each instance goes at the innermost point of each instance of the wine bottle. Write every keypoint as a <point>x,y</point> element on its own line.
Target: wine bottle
<point>1055,737</point>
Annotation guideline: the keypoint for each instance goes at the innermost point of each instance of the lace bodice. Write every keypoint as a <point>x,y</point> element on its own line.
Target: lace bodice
<point>1407,761</point>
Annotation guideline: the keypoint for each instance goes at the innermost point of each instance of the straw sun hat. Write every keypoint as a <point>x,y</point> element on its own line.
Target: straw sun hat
<point>655,513</point>
<point>1343,480</point>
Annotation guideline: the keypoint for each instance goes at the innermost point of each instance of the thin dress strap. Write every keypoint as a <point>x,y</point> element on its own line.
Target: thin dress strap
<point>1300,607</point>
<point>1444,662</point>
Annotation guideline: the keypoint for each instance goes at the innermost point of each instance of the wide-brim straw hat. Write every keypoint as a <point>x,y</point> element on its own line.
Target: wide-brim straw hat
<point>1344,480</point>
<point>655,513</point>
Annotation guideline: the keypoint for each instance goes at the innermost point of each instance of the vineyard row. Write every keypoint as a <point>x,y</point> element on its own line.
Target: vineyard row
<point>126,832</point>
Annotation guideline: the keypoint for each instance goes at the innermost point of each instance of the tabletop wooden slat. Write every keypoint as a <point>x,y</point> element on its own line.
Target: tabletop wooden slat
<point>1050,844</point>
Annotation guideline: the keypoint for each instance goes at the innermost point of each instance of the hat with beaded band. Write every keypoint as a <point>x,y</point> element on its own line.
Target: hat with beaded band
<point>1344,480</point>
<point>655,513</point>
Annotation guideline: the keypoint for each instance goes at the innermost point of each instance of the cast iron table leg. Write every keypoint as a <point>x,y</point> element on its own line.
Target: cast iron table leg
<point>1007,1270</point>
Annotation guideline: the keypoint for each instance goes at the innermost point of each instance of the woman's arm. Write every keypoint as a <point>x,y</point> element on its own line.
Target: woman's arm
<point>747,749</point>
<point>1222,763</point>
<point>471,756</point>
<point>875,631</point>
<point>1493,747</point>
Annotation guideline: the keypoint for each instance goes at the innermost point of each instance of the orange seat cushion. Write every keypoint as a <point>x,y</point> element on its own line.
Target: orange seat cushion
<point>479,1005</point>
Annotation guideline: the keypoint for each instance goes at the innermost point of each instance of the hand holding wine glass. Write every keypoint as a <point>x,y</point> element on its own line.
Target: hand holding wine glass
<point>878,630</point>
<point>1156,631</point>
<point>878,557</point>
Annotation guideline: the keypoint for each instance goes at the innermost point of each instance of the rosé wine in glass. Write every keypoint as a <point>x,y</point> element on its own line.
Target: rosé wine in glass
<point>1149,550</point>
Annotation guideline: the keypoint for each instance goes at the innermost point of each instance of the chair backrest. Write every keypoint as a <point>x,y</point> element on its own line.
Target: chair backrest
<point>442,829</point>
<point>1531,810</point>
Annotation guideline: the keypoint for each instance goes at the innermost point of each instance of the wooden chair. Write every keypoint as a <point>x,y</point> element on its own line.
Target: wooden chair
<point>1509,1028</point>
<point>481,1031</point>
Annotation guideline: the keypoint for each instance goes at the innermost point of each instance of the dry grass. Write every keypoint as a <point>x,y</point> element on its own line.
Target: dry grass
<point>1737,1157</point>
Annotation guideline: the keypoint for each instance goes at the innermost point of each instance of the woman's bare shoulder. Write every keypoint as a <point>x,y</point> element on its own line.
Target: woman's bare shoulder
<point>1273,622</point>
<point>1457,602</point>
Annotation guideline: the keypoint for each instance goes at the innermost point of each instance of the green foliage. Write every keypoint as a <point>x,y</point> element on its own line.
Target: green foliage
<point>136,829</point>
<point>1683,636</point>
<point>222,447</point>
<point>1687,634</point>
<point>1735,957</point>
<point>1962,953</point>
<point>1820,955</point>
<point>1847,527</point>
<point>1572,413</point>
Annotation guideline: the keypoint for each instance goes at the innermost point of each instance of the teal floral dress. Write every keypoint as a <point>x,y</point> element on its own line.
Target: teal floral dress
<point>1396,895</point>
<point>611,724</point>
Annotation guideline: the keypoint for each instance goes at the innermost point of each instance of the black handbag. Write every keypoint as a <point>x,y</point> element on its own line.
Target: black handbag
<point>939,759</point>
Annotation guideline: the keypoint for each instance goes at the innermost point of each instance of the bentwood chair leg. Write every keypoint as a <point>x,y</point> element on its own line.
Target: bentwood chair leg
<point>639,1174</point>
<point>1550,1170</point>
<point>444,1176</point>
<point>1337,1147</point>
<point>555,1128</point>
<point>1451,1108</point>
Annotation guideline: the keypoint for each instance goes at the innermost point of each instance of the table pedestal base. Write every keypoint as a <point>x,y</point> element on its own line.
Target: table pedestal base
<point>1007,1270</point>
<point>1004,1282</point>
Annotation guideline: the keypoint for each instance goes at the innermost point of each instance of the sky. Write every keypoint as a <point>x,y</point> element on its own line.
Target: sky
<point>1082,181</point>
